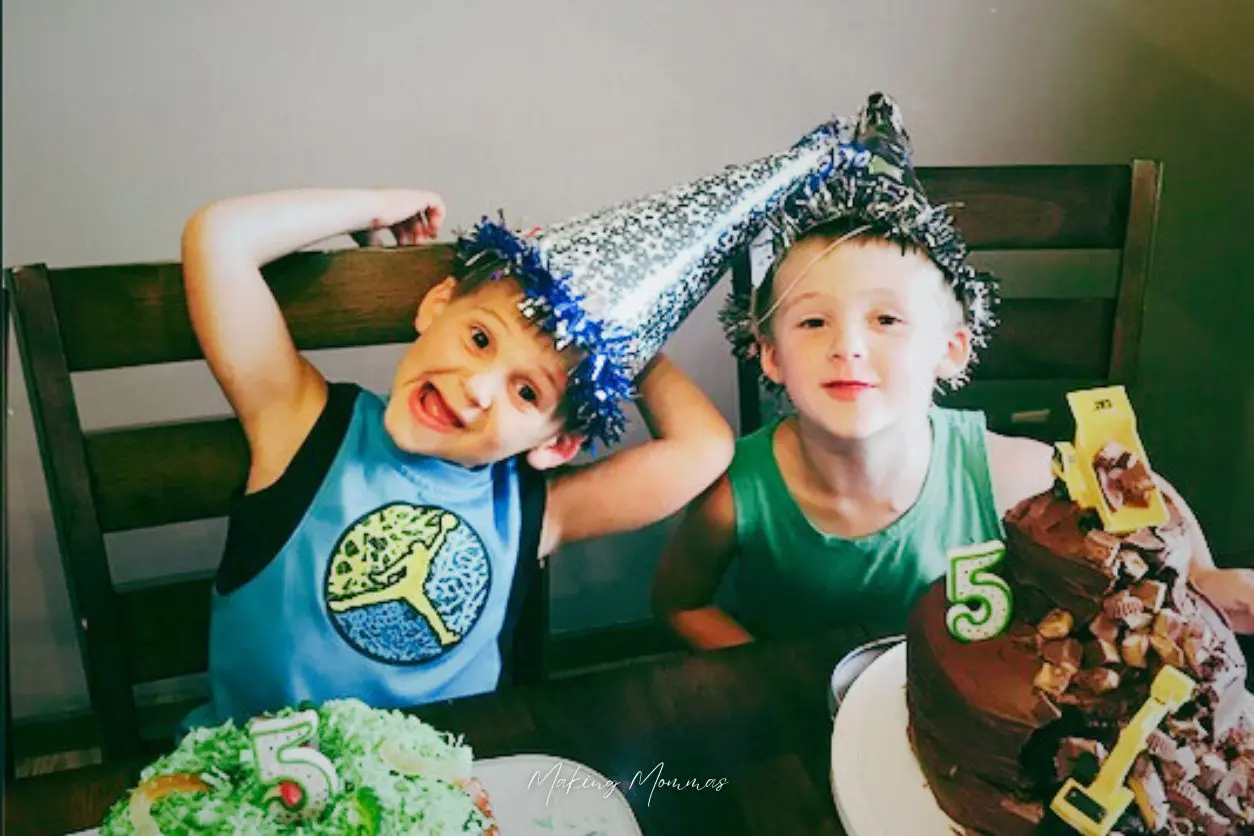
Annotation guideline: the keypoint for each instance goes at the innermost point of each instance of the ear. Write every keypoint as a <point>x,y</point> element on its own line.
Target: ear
<point>434,303</point>
<point>768,357</point>
<point>555,452</point>
<point>957,354</point>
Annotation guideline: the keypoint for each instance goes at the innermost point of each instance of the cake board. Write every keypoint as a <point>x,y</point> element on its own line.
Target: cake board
<point>877,784</point>
<point>525,799</point>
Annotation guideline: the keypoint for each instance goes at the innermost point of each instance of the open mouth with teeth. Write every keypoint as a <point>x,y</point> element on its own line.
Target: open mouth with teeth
<point>430,409</point>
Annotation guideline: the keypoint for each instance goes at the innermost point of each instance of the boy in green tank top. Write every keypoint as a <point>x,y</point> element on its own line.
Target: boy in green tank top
<point>843,513</point>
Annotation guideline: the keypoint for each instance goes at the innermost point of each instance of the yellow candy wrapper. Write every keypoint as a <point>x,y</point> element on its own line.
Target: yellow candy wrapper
<point>1106,468</point>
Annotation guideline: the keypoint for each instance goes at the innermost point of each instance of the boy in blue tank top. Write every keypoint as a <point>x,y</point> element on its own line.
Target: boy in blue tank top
<point>376,543</point>
<point>379,542</point>
<point>843,512</point>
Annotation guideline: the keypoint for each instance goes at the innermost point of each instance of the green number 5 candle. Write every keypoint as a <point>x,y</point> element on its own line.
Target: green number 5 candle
<point>981,603</point>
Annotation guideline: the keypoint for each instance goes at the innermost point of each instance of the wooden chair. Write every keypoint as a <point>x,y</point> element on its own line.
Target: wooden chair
<point>1046,345</point>
<point>109,317</point>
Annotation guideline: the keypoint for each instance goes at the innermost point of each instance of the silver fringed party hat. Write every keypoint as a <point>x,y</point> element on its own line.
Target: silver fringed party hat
<point>617,282</point>
<point>874,187</point>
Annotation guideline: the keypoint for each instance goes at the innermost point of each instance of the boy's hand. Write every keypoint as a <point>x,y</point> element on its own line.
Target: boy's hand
<point>415,219</point>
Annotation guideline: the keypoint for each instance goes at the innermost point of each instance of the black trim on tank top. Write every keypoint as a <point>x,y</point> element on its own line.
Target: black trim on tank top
<point>533,494</point>
<point>261,523</point>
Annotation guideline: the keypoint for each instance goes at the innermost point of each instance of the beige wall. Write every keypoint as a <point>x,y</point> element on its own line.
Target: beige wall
<point>121,117</point>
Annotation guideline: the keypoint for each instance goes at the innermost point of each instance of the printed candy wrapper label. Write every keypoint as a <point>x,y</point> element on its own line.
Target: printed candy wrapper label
<point>1106,469</point>
<point>981,603</point>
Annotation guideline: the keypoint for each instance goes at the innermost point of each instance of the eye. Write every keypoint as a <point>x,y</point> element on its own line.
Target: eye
<point>811,322</point>
<point>479,337</point>
<point>528,393</point>
<point>889,320</point>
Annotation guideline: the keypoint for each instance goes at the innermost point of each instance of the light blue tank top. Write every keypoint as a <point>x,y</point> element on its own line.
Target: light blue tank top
<point>392,589</point>
<point>791,577</point>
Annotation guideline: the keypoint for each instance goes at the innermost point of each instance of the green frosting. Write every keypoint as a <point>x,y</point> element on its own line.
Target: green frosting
<point>396,776</point>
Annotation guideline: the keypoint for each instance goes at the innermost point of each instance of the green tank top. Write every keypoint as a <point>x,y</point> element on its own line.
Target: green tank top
<point>791,577</point>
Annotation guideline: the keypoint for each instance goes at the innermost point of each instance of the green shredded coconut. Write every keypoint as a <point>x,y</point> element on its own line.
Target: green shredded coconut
<point>379,794</point>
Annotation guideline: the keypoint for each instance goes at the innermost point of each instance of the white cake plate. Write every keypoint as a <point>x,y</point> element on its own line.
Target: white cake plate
<point>877,784</point>
<point>543,794</point>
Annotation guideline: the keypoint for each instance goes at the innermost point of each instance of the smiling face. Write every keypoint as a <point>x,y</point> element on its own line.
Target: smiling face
<point>480,384</point>
<point>861,333</point>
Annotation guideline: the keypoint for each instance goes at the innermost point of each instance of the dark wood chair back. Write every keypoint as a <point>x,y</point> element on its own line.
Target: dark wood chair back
<point>1053,337</point>
<point>109,317</point>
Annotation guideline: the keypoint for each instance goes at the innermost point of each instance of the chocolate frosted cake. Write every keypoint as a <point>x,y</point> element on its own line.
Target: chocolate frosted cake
<point>999,724</point>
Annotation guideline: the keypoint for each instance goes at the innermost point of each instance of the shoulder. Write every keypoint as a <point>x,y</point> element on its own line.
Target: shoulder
<point>753,452</point>
<point>1019,467</point>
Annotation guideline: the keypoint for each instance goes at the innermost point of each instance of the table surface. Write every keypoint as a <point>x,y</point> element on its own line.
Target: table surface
<point>754,716</point>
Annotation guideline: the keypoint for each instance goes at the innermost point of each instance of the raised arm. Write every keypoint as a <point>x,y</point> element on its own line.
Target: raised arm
<point>276,393</point>
<point>691,569</point>
<point>692,444</point>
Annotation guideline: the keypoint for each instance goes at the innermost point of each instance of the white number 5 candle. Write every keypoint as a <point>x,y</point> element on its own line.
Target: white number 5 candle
<point>981,603</point>
<point>304,779</point>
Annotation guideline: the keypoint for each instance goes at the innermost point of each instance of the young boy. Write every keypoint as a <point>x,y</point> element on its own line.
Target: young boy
<point>844,512</point>
<point>374,548</point>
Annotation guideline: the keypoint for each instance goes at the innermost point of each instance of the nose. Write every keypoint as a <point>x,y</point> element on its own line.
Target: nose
<point>848,341</point>
<point>484,386</point>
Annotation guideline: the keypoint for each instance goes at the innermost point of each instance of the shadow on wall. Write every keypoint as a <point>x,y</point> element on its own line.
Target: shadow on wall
<point>1196,391</point>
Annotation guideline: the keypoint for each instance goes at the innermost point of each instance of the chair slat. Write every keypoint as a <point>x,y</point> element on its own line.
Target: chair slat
<point>83,557</point>
<point>1035,207</point>
<point>1049,338</point>
<point>131,315</point>
<point>168,473</point>
<point>166,628</point>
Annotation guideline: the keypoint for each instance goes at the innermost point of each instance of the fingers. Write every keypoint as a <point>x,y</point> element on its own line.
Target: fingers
<point>372,237</point>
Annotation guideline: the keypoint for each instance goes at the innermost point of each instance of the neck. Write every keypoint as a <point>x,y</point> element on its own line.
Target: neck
<point>888,467</point>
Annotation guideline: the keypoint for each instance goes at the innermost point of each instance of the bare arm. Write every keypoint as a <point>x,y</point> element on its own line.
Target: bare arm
<point>1019,467</point>
<point>691,569</point>
<point>276,393</point>
<point>692,444</point>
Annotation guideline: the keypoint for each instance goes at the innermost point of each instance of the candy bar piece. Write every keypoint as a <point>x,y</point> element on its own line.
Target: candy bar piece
<point>1073,751</point>
<point>1189,729</point>
<point>1101,652</point>
<point>1098,680</point>
<point>1150,794</point>
<point>1112,454</point>
<point>1213,822</point>
<point>1056,625</point>
<point>1134,649</point>
<point>1160,745</point>
<point>1182,766</point>
<point>1167,650</point>
<point>1185,795</point>
<point>1179,826</point>
<point>1065,653</point>
<point>1170,625</point>
<point>1195,651</point>
<point>1104,627</point>
<point>1052,679</point>
<point>1101,547</point>
<point>1151,593</point>
<point>1228,804</point>
<point>1235,782</point>
<point>1139,621</point>
<point>1145,541</point>
<point>1134,566</point>
<point>1137,484</point>
<point>1211,767</point>
<point>1121,605</point>
<point>1112,487</point>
